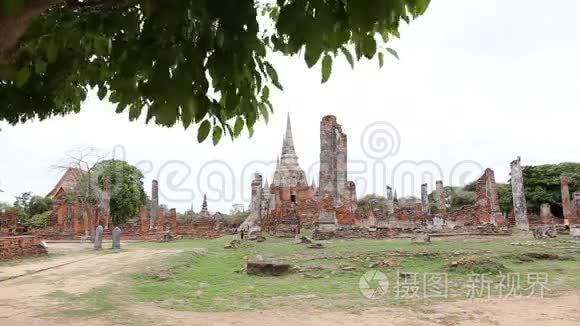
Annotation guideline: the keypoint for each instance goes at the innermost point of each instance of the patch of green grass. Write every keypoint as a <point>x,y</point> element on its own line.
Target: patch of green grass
<point>329,277</point>
<point>94,303</point>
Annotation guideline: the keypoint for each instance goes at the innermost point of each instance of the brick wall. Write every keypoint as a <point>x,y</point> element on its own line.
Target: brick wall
<point>20,247</point>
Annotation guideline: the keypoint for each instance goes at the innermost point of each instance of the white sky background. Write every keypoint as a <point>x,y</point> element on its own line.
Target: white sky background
<point>482,81</point>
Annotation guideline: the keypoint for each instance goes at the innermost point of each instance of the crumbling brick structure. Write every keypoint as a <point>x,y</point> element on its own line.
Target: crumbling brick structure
<point>21,247</point>
<point>570,207</point>
<point>289,203</point>
<point>9,223</point>
<point>68,217</point>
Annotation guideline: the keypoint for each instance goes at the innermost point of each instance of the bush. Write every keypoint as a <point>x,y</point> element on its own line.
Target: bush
<point>39,220</point>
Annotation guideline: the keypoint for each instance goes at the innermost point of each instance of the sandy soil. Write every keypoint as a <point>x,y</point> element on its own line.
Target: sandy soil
<point>23,299</point>
<point>559,311</point>
<point>80,270</point>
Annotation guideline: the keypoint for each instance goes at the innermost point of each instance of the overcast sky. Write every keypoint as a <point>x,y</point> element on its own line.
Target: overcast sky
<point>478,83</point>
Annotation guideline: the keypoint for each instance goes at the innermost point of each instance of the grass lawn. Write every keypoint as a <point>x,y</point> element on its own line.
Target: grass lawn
<point>331,277</point>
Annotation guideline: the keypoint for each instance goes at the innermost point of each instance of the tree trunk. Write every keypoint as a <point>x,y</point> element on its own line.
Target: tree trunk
<point>12,27</point>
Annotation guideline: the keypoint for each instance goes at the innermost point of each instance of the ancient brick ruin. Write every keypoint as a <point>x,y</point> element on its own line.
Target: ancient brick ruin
<point>21,247</point>
<point>570,205</point>
<point>289,203</point>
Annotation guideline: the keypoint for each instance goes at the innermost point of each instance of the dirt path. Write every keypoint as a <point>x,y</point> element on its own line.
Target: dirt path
<point>23,297</point>
<point>23,300</point>
<point>557,311</point>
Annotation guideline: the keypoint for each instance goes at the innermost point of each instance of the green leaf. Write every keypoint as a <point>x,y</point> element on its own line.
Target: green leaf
<point>39,66</point>
<point>273,75</point>
<point>265,93</point>
<point>238,126</point>
<point>203,131</point>
<point>102,45</point>
<point>217,134</point>
<point>369,47</point>
<point>348,56</point>
<point>264,111</point>
<point>312,53</point>
<point>326,67</point>
<point>393,52</point>
<point>187,116</point>
<point>22,77</point>
<point>381,59</point>
<point>51,52</point>
<point>102,92</point>
<point>419,7</point>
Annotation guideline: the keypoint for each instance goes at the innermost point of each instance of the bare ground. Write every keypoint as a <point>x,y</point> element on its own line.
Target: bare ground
<point>24,300</point>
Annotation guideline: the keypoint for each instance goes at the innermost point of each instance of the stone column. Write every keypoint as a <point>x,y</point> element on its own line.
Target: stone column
<point>116,237</point>
<point>440,193</point>
<point>256,201</point>
<point>424,198</point>
<point>566,206</point>
<point>154,204</point>
<point>390,202</point>
<point>519,197</point>
<point>545,213</point>
<point>99,237</point>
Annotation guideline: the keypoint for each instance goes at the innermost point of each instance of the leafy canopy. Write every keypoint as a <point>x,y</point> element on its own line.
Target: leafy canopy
<point>127,193</point>
<point>193,62</point>
<point>32,210</point>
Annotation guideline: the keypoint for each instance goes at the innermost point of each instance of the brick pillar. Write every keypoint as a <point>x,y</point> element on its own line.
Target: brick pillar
<point>143,219</point>
<point>154,204</point>
<point>424,198</point>
<point>160,219</point>
<point>341,164</point>
<point>172,219</point>
<point>566,205</point>
<point>519,197</point>
<point>328,158</point>
<point>440,193</point>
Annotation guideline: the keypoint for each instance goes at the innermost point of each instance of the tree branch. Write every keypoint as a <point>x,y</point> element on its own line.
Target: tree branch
<point>13,26</point>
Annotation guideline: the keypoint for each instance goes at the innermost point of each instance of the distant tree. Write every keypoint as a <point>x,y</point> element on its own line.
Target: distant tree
<point>23,201</point>
<point>127,193</point>
<point>194,62</point>
<point>39,205</point>
<point>542,184</point>
<point>459,197</point>
<point>32,210</point>
<point>506,199</point>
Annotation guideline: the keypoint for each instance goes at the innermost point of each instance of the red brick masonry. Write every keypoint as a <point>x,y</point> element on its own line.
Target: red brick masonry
<point>20,247</point>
